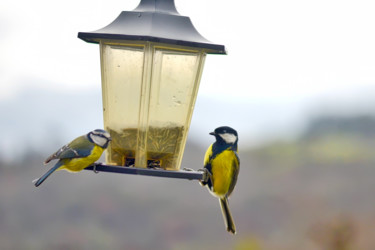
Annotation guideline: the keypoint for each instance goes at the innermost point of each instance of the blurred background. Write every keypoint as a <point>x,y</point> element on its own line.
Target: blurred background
<point>298,84</point>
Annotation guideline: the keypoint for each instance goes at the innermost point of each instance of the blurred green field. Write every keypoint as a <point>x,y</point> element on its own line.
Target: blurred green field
<point>312,192</point>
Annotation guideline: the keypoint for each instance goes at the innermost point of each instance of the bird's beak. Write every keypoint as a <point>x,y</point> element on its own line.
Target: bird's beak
<point>212,133</point>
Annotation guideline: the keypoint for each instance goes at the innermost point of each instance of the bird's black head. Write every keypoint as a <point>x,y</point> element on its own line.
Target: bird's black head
<point>225,135</point>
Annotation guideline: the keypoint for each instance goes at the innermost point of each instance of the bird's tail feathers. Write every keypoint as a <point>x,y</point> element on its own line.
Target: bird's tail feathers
<point>227,215</point>
<point>45,176</point>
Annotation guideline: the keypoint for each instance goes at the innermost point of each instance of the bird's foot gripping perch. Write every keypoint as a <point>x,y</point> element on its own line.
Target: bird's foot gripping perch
<point>206,176</point>
<point>94,167</point>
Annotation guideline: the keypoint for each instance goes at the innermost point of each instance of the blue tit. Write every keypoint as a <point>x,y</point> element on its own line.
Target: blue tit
<point>78,154</point>
<point>223,164</point>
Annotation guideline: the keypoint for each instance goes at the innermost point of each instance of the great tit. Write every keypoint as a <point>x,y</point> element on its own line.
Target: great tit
<point>78,154</point>
<point>222,163</point>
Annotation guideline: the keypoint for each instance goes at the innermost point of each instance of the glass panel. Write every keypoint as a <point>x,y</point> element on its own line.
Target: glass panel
<point>121,86</point>
<point>175,81</point>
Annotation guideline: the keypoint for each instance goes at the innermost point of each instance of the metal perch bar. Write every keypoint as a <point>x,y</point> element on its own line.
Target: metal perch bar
<point>181,174</point>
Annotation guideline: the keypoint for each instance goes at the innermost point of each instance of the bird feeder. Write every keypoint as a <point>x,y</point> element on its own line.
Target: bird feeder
<point>151,64</point>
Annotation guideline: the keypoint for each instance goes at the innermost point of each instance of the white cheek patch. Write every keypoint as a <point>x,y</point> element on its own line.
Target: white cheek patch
<point>229,138</point>
<point>99,140</point>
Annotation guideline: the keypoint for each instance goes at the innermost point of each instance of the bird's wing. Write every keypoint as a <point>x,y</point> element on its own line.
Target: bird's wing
<point>78,148</point>
<point>238,158</point>
<point>236,170</point>
<point>208,156</point>
<point>207,164</point>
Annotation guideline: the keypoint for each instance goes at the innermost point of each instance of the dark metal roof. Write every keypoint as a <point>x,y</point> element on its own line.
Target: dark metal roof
<point>154,21</point>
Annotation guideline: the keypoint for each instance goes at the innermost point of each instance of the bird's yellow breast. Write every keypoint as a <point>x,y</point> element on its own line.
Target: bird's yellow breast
<point>78,164</point>
<point>222,169</point>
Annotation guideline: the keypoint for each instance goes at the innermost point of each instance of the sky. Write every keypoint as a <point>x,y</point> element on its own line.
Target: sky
<point>286,59</point>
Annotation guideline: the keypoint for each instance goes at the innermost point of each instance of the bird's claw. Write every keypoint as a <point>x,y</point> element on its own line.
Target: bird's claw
<point>94,168</point>
<point>206,176</point>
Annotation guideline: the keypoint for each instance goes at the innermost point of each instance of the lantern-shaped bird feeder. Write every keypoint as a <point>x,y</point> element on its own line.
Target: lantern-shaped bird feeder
<point>151,63</point>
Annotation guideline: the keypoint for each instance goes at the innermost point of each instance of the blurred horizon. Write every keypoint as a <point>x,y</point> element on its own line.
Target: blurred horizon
<point>53,118</point>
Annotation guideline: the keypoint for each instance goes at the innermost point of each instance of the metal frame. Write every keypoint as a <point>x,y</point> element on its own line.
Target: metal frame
<point>180,174</point>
